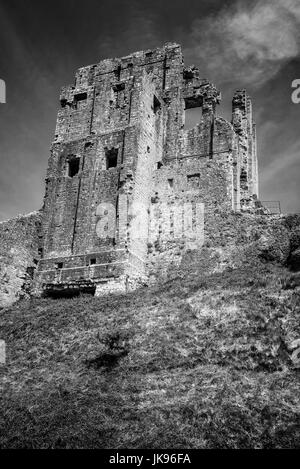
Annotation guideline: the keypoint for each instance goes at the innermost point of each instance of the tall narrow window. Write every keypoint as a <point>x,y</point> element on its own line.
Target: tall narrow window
<point>111,158</point>
<point>156,104</point>
<point>244,179</point>
<point>73,166</point>
<point>117,72</point>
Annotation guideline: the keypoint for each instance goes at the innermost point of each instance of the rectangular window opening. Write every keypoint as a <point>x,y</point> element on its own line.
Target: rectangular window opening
<point>117,87</point>
<point>117,72</point>
<point>243,175</point>
<point>59,265</point>
<point>192,117</point>
<point>111,158</point>
<point>93,261</point>
<point>73,166</point>
<point>80,97</point>
<point>193,180</point>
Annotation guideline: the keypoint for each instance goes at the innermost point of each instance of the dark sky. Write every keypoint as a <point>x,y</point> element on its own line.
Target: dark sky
<point>235,43</point>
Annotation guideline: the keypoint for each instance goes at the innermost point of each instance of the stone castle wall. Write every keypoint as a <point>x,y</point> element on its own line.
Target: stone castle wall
<point>19,255</point>
<point>125,180</point>
<point>123,168</point>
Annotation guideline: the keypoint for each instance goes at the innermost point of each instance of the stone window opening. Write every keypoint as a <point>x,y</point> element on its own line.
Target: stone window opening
<point>111,158</point>
<point>117,72</point>
<point>78,98</point>
<point>192,112</point>
<point>30,271</point>
<point>59,265</point>
<point>119,94</point>
<point>93,261</point>
<point>73,166</point>
<point>243,175</point>
<point>171,183</point>
<point>156,104</point>
<point>193,180</point>
<point>117,87</point>
<point>192,117</point>
<point>244,179</point>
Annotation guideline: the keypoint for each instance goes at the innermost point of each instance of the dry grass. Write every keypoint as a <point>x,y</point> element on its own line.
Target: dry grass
<point>200,362</point>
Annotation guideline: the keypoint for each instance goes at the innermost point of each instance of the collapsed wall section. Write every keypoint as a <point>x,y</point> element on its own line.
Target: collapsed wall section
<point>190,194</point>
<point>19,254</point>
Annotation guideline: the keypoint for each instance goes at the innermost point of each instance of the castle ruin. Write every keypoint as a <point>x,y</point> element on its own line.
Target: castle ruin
<point>123,167</point>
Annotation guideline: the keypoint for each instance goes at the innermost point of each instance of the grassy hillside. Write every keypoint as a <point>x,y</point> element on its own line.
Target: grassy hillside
<point>201,361</point>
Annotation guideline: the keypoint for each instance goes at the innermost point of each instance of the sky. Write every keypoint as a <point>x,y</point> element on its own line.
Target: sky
<point>252,44</point>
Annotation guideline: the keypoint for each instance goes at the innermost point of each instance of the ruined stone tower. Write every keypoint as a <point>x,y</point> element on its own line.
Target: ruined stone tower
<point>127,186</point>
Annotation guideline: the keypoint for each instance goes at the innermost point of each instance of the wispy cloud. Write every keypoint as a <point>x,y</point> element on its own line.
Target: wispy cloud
<point>250,40</point>
<point>282,164</point>
<point>138,32</point>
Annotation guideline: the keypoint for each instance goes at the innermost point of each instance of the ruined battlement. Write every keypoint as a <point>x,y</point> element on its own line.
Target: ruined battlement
<point>125,175</point>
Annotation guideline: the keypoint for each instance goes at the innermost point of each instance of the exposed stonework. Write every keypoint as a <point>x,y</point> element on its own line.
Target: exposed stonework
<point>129,190</point>
<point>19,254</point>
<point>247,149</point>
<point>124,175</point>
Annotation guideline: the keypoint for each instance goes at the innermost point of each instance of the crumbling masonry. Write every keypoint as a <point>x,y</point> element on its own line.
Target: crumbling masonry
<point>126,182</point>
